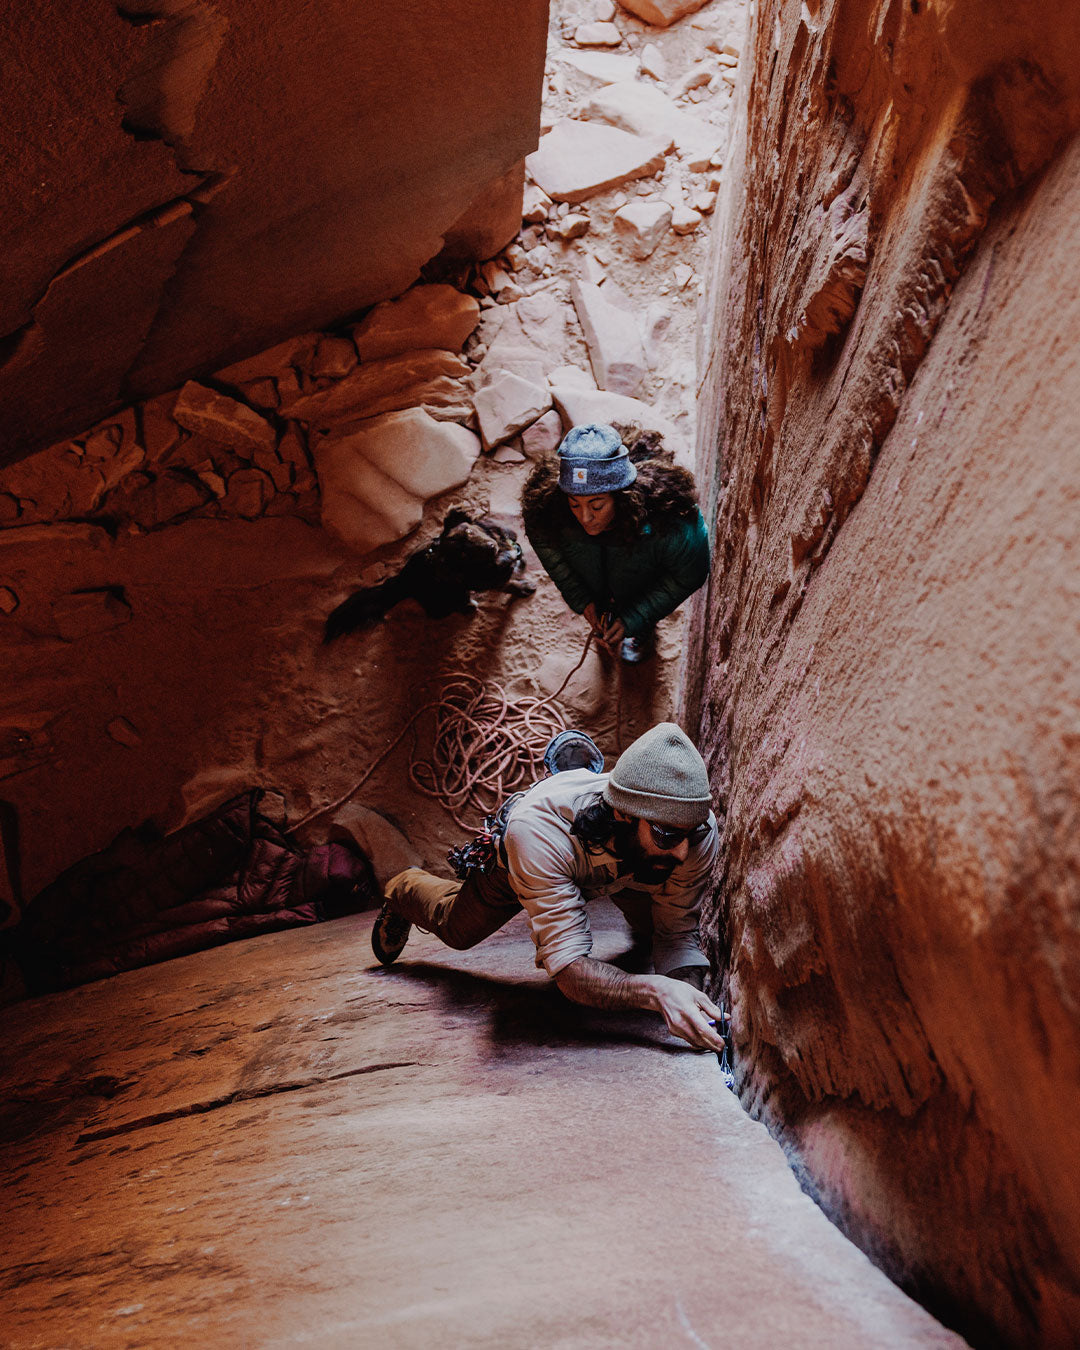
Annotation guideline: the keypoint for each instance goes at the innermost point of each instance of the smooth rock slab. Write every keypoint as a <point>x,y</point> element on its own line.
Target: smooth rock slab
<point>277,1143</point>
<point>508,405</point>
<point>436,316</point>
<point>375,478</point>
<point>599,67</point>
<point>645,110</point>
<point>615,349</point>
<point>577,160</point>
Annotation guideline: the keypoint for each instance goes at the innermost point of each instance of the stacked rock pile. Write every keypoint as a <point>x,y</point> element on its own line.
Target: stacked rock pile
<point>359,427</point>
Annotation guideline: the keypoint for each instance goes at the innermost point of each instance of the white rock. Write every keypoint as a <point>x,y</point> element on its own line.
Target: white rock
<point>698,75</point>
<point>508,405</point>
<point>603,11</point>
<point>662,12</point>
<point>534,329</point>
<point>494,275</point>
<point>508,454</point>
<point>683,275</point>
<point>598,68</point>
<point>515,256</point>
<point>576,160</point>
<point>615,350</point>
<point>535,205</point>
<point>573,377</point>
<point>703,201</point>
<point>375,477</point>
<point>571,227</point>
<point>643,225</point>
<point>579,406</point>
<point>615,295</point>
<point>591,270</point>
<point>684,219</point>
<point>645,110</point>
<point>538,258</point>
<point>543,436</point>
<point>652,61</point>
<point>425,317</point>
<point>508,294</point>
<point>597,35</point>
<point>507,360</point>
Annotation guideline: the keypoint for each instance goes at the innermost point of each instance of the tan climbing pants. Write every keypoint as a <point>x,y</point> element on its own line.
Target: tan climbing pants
<point>460,913</point>
<point>463,913</point>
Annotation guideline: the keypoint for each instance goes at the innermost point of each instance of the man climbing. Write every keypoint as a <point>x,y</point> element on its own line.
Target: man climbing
<point>643,833</point>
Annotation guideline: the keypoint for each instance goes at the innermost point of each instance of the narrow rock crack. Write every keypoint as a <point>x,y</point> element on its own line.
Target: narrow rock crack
<point>231,1098</point>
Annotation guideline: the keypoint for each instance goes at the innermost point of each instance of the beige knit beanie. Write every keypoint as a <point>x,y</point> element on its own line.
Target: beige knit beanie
<point>661,777</point>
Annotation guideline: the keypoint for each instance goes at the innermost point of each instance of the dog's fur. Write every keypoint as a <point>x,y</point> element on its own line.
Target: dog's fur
<point>469,555</point>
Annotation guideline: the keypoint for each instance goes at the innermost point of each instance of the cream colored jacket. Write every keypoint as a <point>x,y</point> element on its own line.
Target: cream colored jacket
<point>554,877</point>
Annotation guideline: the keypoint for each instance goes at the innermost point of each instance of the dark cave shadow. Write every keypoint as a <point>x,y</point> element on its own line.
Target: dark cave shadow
<point>536,1014</point>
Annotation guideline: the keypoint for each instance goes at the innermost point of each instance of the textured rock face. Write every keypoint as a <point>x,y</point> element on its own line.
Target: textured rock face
<point>890,697</point>
<point>189,182</point>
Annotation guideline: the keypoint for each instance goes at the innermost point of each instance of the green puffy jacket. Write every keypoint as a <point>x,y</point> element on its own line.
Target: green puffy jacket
<point>638,582</point>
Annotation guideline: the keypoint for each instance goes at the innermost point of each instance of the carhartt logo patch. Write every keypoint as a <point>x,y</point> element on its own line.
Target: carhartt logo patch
<point>581,475</point>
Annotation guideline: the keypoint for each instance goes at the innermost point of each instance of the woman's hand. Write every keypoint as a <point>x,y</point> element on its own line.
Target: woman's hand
<point>607,629</point>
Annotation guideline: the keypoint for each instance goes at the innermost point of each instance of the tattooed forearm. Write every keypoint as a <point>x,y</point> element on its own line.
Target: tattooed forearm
<point>600,985</point>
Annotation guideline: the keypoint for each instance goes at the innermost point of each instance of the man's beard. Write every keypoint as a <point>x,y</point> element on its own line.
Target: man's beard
<point>648,870</point>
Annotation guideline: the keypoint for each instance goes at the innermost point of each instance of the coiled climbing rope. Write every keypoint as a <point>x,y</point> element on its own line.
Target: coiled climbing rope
<point>486,746</point>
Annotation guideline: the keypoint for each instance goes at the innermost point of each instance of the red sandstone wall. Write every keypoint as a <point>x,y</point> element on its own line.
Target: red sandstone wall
<point>891,700</point>
<point>188,181</point>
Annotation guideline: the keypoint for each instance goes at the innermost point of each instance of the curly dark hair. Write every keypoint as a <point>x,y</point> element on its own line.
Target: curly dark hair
<point>662,491</point>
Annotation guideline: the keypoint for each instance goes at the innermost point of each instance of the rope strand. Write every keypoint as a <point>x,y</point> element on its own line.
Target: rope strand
<point>486,746</point>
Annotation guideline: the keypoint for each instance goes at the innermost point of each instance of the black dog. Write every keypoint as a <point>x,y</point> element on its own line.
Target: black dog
<point>469,555</point>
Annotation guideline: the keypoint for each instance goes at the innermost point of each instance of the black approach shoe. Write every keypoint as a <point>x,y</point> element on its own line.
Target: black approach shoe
<point>390,934</point>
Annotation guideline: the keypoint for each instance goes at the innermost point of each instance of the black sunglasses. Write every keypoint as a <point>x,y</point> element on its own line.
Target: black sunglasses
<point>666,836</point>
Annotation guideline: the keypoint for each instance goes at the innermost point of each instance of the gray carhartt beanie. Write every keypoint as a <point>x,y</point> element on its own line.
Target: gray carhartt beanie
<point>661,777</point>
<point>593,459</point>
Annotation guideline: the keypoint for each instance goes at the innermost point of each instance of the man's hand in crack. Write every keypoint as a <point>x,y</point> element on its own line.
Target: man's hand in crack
<point>686,1010</point>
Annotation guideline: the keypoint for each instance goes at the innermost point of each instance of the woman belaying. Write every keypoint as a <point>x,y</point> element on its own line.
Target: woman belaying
<point>618,531</point>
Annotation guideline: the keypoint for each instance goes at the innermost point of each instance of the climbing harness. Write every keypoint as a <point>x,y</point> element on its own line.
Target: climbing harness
<point>569,749</point>
<point>482,853</point>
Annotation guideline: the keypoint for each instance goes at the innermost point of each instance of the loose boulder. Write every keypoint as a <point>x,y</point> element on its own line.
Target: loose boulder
<point>615,349</point>
<point>375,477</point>
<point>577,160</point>
<point>426,317</point>
<point>507,405</point>
<point>223,419</point>
<point>663,13</point>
